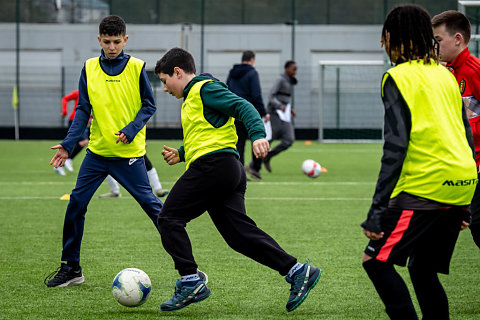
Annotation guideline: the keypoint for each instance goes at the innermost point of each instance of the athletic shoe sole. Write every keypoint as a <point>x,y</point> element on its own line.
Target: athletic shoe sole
<point>197,298</point>
<point>72,282</point>
<point>253,173</point>
<point>308,290</point>
<point>203,276</point>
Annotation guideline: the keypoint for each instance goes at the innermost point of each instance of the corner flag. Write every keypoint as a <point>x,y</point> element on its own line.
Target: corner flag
<point>15,98</point>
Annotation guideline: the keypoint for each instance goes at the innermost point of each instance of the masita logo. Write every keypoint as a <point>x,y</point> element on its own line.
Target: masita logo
<point>112,80</point>
<point>459,183</point>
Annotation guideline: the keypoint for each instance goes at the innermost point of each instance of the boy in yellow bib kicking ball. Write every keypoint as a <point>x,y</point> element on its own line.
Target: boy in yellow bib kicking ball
<point>215,181</point>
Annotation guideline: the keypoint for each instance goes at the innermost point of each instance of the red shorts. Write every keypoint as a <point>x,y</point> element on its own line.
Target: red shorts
<point>424,237</point>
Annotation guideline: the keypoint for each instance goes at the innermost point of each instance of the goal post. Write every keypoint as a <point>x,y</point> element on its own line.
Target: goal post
<point>462,7</point>
<point>350,105</point>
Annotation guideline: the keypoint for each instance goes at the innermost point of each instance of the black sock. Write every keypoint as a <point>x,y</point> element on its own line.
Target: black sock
<point>392,290</point>
<point>76,150</point>
<point>430,294</point>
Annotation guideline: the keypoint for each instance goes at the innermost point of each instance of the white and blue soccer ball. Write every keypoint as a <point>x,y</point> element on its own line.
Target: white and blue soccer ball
<point>311,168</point>
<point>131,287</point>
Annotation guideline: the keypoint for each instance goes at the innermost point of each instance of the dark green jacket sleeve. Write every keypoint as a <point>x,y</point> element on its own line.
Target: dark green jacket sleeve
<point>181,153</point>
<point>220,102</point>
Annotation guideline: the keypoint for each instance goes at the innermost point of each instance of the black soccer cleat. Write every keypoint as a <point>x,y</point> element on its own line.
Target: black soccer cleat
<point>65,276</point>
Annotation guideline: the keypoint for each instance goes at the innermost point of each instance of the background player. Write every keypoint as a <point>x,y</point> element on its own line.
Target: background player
<point>243,80</point>
<point>82,142</point>
<point>452,31</point>
<point>152,177</point>
<point>279,104</point>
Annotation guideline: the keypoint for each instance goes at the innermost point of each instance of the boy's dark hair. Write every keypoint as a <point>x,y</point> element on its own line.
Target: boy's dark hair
<point>247,55</point>
<point>175,57</point>
<point>289,63</point>
<point>411,33</point>
<point>112,26</point>
<point>454,22</point>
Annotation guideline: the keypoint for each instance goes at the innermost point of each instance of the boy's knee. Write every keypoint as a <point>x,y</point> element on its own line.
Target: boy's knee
<point>235,244</point>
<point>287,143</point>
<point>421,270</point>
<point>165,222</point>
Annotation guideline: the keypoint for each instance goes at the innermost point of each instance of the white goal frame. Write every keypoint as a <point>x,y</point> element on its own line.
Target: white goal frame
<point>321,78</point>
<point>462,7</point>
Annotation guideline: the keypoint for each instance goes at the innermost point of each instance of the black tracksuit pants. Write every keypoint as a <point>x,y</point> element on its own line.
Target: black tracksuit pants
<point>216,183</point>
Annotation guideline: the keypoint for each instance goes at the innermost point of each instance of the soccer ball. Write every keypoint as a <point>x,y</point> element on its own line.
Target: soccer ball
<point>311,168</point>
<point>131,287</point>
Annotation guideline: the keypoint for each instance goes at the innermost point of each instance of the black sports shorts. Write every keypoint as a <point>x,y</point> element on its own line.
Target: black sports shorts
<point>425,237</point>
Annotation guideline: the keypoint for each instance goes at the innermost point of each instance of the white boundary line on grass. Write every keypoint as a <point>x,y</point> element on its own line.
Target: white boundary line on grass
<point>247,198</point>
<point>37,182</point>
<point>307,199</point>
<point>343,183</point>
<point>278,183</point>
<point>29,198</point>
<point>307,151</point>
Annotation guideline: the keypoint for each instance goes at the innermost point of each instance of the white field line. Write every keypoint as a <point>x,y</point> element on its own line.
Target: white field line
<point>247,198</point>
<point>29,198</point>
<point>273,183</point>
<point>252,184</point>
<point>379,150</point>
<point>307,199</point>
<point>37,183</point>
<point>309,183</point>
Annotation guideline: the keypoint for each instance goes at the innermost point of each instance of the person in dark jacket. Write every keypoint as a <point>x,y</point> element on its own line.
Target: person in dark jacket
<point>243,80</point>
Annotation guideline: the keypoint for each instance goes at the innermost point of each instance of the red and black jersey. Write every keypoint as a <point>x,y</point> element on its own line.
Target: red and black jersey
<point>71,96</point>
<point>466,69</point>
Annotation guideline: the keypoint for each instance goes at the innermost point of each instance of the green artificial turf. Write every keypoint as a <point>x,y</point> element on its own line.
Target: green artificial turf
<point>310,218</point>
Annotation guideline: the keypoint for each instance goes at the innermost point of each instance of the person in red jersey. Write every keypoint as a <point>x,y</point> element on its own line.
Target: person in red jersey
<point>72,96</point>
<point>452,31</point>
<point>82,142</point>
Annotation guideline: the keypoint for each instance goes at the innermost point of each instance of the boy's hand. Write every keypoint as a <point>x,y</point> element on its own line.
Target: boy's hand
<point>372,235</point>
<point>60,157</point>
<point>170,155</point>
<point>122,137</point>
<point>260,148</point>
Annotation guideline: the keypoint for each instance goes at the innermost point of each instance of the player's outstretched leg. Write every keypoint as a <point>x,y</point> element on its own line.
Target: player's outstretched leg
<point>302,281</point>
<point>186,293</point>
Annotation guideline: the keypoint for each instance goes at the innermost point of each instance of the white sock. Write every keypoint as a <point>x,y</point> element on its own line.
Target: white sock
<point>113,184</point>
<point>190,277</point>
<point>154,180</point>
<point>294,269</point>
